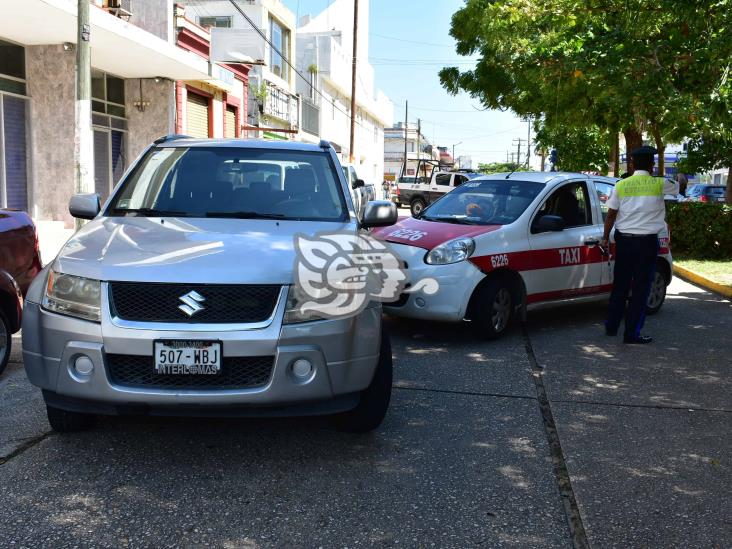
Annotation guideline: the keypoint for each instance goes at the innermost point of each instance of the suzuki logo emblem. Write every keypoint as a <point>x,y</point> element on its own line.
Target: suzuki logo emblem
<point>192,303</point>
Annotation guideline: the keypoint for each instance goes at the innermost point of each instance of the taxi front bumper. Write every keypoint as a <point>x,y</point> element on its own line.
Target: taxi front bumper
<point>455,285</point>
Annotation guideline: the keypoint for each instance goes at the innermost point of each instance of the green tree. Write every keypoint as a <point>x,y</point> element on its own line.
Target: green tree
<point>578,148</point>
<point>616,65</point>
<point>500,167</point>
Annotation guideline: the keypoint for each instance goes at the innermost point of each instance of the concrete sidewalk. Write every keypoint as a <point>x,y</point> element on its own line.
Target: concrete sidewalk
<point>646,431</point>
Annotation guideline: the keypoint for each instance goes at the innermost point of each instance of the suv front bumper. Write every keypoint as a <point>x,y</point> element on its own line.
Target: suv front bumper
<point>343,353</point>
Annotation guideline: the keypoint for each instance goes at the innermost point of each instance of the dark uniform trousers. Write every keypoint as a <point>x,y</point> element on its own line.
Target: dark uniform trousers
<point>635,266</point>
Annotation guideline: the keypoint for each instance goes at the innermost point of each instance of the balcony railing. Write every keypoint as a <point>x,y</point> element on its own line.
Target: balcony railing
<point>282,105</point>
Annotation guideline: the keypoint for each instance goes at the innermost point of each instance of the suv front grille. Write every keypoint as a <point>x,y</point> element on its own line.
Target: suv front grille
<point>221,303</point>
<point>236,373</point>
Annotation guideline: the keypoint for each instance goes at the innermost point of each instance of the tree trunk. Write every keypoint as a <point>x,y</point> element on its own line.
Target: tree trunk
<point>661,150</point>
<point>633,140</point>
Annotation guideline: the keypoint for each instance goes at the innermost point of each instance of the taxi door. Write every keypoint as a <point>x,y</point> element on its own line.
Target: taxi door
<point>603,190</point>
<point>565,263</point>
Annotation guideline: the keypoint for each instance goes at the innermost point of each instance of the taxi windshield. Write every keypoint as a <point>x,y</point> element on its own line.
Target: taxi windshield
<point>484,202</point>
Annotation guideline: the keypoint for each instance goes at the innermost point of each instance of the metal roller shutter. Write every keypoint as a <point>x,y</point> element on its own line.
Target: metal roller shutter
<point>197,115</point>
<point>14,128</point>
<point>230,122</point>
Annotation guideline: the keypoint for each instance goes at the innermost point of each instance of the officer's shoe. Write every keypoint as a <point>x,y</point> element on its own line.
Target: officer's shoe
<point>637,340</point>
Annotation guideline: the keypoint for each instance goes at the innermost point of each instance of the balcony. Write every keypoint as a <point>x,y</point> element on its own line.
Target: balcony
<point>282,105</point>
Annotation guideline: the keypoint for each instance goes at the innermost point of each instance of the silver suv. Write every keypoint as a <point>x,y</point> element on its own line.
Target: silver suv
<point>179,297</point>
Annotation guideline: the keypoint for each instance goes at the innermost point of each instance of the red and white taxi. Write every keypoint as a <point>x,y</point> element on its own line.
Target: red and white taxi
<point>500,244</point>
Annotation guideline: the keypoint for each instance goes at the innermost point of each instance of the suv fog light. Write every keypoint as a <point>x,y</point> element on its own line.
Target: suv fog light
<point>83,365</point>
<point>302,369</point>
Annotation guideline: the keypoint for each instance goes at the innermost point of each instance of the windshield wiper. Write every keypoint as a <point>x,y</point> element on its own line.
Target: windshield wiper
<point>151,212</point>
<point>245,215</point>
<point>454,220</point>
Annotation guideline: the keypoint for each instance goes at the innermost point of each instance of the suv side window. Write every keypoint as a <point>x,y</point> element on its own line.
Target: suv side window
<point>571,202</point>
<point>353,174</point>
<point>604,190</point>
<point>443,179</point>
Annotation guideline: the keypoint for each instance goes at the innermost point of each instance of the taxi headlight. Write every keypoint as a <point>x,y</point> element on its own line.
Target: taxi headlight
<point>294,314</point>
<point>73,296</point>
<point>452,251</point>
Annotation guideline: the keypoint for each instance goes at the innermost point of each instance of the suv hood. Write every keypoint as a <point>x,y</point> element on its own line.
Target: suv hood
<point>187,250</point>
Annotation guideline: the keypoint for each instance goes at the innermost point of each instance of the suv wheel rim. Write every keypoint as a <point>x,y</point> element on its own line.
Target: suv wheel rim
<point>657,291</point>
<point>501,310</point>
<point>417,207</point>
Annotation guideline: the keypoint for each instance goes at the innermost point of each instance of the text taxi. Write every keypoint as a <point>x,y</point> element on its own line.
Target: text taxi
<point>499,244</point>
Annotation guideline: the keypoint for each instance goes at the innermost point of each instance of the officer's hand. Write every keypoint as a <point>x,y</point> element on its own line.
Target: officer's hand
<point>604,243</point>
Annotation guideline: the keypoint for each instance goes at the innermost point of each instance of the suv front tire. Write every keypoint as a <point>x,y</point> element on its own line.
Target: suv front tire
<point>374,402</point>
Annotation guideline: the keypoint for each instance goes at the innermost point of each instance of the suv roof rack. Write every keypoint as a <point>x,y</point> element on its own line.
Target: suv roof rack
<point>171,137</point>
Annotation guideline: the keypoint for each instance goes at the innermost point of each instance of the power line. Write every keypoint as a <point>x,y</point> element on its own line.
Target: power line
<point>410,41</point>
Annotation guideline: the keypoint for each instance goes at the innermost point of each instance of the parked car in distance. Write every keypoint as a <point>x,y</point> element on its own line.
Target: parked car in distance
<point>706,193</point>
<point>20,262</point>
<point>361,192</point>
<point>179,297</point>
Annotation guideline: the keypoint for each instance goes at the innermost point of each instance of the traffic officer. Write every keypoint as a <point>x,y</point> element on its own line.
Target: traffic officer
<point>637,210</point>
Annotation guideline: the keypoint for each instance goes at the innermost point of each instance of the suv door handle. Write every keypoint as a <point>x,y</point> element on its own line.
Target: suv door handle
<point>592,242</point>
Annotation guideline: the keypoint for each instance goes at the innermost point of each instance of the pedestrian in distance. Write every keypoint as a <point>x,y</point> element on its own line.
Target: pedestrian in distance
<point>637,211</point>
<point>385,187</point>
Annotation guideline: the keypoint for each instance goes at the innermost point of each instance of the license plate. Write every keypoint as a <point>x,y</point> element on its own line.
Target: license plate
<point>187,357</point>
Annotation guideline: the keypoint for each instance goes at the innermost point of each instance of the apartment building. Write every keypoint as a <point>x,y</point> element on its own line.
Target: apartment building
<point>324,57</point>
<point>273,104</point>
<point>418,148</point>
<point>141,60</point>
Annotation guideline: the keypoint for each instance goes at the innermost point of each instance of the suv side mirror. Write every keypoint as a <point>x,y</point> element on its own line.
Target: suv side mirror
<point>84,206</point>
<point>547,223</point>
<point>358,183</point>
<point>379,213</point>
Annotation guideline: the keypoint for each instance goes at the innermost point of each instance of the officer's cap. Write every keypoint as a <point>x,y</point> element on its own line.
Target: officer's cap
<point>644,151</point>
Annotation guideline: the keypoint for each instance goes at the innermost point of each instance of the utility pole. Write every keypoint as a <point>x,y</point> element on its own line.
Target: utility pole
<point>83,138</point>
<point>419,151</point>
<point>406,136</point>
<point>353,81</point>
<point>528,146</point>
<point>518,150</point>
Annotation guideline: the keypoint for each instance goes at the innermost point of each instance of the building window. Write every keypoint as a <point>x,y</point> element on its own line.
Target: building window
<point>12,68</point>
<point>108,94</point>
<point>218,21</point>
<point>280,38</point>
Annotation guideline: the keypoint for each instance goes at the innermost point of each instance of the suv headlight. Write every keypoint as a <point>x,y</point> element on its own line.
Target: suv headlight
<point>452,251</point>
<point>296,297</point>
<point>73,296</point>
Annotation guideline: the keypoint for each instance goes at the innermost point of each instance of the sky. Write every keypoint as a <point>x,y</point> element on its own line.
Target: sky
<point>409,43</point>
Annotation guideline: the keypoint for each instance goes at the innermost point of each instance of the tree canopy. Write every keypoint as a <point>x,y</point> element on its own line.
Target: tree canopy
<point>588,69</point>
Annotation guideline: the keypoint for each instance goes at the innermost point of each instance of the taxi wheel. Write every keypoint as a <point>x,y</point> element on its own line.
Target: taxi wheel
<point>64,421</point>
<point>495,308</point>
<point>374,402</point>
<point>657,295</point>
<point>416,207</point>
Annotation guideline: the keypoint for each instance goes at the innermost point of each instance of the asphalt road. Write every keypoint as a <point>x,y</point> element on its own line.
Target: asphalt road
<point>464,458</point>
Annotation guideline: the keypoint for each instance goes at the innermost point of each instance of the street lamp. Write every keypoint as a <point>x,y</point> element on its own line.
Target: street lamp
<point>453,151</point>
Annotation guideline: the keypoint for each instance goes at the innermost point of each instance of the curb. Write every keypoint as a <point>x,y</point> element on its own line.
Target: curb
<point>702,281</point>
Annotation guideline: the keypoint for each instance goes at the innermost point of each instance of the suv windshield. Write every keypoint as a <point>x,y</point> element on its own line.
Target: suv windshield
<point>484,202</point>
<point>232,182</point>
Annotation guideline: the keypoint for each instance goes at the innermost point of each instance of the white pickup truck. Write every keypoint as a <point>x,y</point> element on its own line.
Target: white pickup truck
<point>420,193</point>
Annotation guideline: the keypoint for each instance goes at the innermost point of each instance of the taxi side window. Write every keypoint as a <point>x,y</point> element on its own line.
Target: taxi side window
<point>443,179</point>
<point>571,202</point>
<point>604,190</point>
